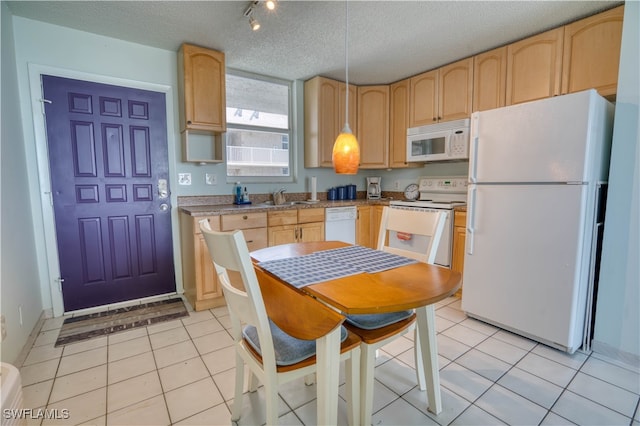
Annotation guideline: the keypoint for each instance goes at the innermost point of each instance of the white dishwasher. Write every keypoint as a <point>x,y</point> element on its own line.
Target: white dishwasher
<point>340,224</point>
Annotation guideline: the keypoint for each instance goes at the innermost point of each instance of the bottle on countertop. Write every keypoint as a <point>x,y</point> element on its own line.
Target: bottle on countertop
<point>245,196</point>
<point>238,193</point>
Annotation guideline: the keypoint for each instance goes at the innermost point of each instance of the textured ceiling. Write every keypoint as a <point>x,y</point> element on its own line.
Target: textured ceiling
<point>388,40</point>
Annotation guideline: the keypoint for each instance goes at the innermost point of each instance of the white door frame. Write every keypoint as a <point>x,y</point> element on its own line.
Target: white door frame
<point>44,178</point>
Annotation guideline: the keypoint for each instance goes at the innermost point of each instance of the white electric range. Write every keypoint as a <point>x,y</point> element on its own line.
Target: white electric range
<point>439,194</point>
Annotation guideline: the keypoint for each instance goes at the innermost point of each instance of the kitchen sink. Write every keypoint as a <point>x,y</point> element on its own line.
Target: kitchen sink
<point>286,203</point>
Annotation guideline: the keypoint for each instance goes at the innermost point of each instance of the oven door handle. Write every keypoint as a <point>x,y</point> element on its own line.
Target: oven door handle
<point>471,219</point>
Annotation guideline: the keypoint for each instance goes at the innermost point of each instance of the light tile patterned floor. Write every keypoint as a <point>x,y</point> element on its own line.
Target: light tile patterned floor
<point>182,373</point>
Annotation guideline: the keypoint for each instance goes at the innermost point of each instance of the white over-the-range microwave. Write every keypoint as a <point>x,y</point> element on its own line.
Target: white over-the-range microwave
<point>439,142</point>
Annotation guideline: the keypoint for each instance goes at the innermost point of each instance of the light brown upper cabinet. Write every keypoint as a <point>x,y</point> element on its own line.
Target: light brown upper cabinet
<point>373,126</point>
<point>443,94</point>
<point>201,89</point>
<point>534,67</point>
<point>324,115</point>
<point>423,99</point>
<point>455,90</point>
<point>398,124</point>
<point>489,79</point>
<point>592,53</point>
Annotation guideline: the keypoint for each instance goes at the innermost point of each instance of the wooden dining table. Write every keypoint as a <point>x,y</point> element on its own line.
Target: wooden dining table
<point>414,286</point>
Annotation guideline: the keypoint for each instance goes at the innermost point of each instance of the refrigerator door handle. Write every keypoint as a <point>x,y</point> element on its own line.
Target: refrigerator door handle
<point>471,219</point>
<point>473,173</point>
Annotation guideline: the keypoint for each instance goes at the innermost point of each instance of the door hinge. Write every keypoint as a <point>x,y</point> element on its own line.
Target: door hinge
<point>59,280</point>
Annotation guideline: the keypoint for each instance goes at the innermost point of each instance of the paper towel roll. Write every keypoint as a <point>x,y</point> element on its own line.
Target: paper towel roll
<point>314,195</point>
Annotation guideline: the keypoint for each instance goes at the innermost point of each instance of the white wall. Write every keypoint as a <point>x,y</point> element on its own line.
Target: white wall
<point>19,280</point>
<point>617,328</point>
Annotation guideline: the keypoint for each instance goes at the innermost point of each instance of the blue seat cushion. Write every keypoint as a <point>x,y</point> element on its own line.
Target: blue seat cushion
<point>288,349</point>
<point>374,321</point>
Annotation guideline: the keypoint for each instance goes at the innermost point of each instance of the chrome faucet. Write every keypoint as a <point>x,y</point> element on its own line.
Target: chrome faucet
<point>278,197</point>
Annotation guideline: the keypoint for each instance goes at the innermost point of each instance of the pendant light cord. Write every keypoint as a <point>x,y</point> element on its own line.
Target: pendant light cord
<point>346,60</point>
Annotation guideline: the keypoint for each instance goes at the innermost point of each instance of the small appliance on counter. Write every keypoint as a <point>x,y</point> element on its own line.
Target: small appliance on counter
<point>373,188</point>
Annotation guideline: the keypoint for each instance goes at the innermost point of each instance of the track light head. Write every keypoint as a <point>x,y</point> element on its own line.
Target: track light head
<point>271,4</point>
<point>254,24</point>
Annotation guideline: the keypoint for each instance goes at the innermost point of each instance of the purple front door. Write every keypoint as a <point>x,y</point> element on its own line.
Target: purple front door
<point>109,179</point>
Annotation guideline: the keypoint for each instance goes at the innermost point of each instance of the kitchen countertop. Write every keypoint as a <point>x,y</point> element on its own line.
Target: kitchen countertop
<point>224,209</point>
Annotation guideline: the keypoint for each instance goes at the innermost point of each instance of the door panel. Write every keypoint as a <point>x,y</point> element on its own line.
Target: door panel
<point>107,153</point>
<point>543,141</point>
<point>524,267</point>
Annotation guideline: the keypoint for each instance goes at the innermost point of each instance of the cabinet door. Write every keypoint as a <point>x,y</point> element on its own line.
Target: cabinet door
<point>455,90</point>
<point>285,234</point>
<point>489,79</point>
<point>375,226</point>
<point>311,232</point>
<point>207,286</point>
<point>322,122</point>
<point>592,53</point>
<point>203,98</point>
<point>373,126</point>
<point>363,227</point>
<point>256,238</point>
<point>398,124</point>
<point>534,67</point>
<point>353,110</point>
<point>423,99</point>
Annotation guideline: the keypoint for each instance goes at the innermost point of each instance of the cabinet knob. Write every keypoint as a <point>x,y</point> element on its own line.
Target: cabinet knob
<point>245,217</point>
<point>435,119</point>
<point>188,121</point>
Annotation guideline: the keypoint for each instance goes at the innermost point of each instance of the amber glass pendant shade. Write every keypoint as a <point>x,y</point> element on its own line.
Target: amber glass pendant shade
<point>346,153</point>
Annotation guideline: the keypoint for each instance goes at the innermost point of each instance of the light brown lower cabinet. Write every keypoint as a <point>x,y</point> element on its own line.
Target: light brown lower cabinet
<point>295,226</point>
<point>363,227</point>
<point>200,282</point>
<point>459,239</point>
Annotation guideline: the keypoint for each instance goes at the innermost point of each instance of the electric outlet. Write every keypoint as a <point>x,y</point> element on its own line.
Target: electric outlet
<point>210,179</point>
<point>184,178</point>
<point>4,327</point>
<point>396,184</point>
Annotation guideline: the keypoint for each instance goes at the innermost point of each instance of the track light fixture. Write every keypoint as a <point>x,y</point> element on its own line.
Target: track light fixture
<point>255,25</point>
<point>248,12</point>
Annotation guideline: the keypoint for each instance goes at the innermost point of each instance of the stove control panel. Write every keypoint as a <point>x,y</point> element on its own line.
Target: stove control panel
<point>443,184</point>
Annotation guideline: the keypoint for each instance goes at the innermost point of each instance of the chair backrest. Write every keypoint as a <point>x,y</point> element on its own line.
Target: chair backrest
<point>303,317</point>
<point>229,252</point>
<point>409,223</point>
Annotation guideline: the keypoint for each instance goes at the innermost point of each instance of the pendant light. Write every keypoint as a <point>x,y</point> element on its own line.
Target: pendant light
<point>346,151</point>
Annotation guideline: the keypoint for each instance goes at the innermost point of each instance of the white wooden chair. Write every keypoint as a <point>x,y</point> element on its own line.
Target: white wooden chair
<point>376,330</point>
<point>273,356</point>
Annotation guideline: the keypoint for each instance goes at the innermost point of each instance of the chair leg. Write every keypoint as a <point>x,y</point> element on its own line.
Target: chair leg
<point>271,400</point>
<point>352,373</point>
<point>310,379</point>
<point>237,398</point>
<point>417,355</point>
<point>367,366</point>
<point>253,382</point>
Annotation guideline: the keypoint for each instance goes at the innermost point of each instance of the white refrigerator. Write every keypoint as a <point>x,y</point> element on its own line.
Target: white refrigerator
<point>535,174</point>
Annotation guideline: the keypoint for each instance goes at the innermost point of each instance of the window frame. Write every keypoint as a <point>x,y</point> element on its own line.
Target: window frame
<point>290,131</point>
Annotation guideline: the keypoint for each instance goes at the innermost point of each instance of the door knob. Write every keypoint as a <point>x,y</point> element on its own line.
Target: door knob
<point>164,207</point>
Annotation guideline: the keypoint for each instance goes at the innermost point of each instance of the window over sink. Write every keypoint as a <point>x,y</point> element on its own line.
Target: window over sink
<point>258,128</point>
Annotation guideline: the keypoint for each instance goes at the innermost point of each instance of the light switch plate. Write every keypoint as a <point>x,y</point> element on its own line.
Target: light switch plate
<point>210,179</point>
<point>184,178</point>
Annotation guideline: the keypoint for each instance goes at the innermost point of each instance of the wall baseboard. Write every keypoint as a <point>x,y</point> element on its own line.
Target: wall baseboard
<point>626,359</point>
<point>22,356</point>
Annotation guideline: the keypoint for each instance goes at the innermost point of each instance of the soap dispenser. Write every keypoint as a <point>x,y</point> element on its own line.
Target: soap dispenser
<point>238,193</point>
